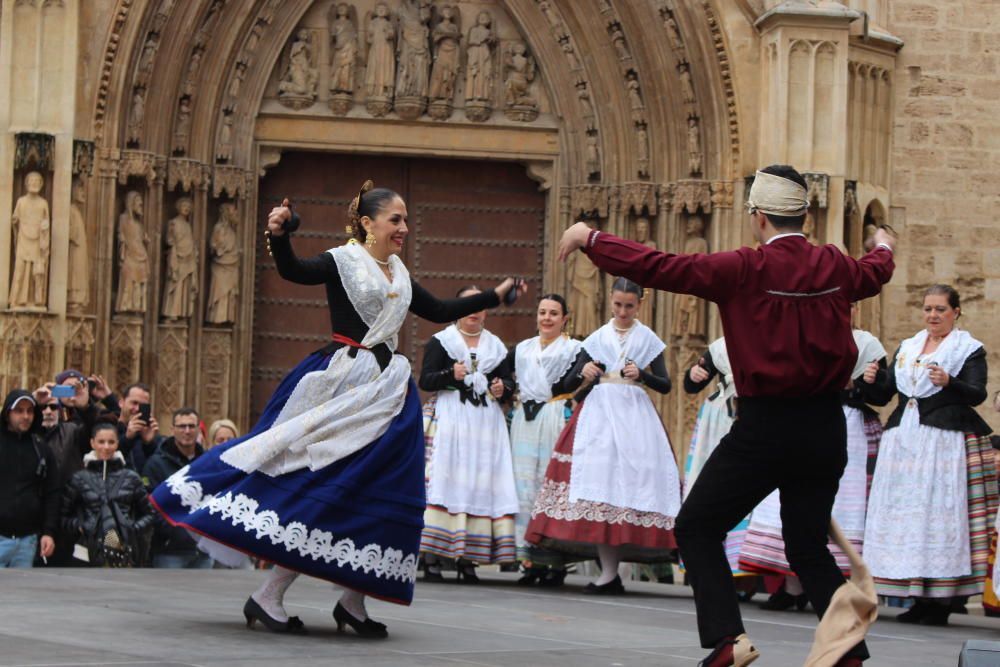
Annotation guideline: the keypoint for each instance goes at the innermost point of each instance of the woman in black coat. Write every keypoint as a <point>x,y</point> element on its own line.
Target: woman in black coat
<point>105,506</point>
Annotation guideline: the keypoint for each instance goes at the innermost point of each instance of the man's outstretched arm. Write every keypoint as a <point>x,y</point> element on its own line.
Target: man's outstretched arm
<point>712,276</point>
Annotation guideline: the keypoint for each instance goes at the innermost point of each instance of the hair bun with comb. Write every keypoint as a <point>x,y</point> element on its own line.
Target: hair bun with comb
<point>352,211</point>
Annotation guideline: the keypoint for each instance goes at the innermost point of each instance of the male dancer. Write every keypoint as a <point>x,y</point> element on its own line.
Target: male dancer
<point>785,311</point>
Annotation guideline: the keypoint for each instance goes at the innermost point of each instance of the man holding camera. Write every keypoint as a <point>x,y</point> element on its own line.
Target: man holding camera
<point>29,485</point>
<point>138,432</point>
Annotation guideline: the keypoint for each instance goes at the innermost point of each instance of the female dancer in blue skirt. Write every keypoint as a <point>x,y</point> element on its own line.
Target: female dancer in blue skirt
<point>330,482</point>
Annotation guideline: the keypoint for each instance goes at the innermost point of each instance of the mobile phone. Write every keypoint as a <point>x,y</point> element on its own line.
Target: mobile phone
<point>63,391</point>
<point>145,412</point>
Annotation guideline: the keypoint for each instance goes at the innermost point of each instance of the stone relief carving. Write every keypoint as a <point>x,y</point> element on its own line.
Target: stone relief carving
<point>819,187</point>
<point>31,224</point>
<point>694,147</point>
<point>83,158</point>
<point>519,68</point>
<point>574,62</point>
<point>186,173</point>
<point>479,69</point>
<point>689,316</point>
<point>593,156</point>
<point>413,70</point>
<point>34,149</point>
<point>181,280</point>
<point>635,98</point>
<point>145,68</point>
<point>642,149</point>
<point>687,87</point>
<point>182,127</point>
<point>344,49</point>
<point>588,107</point>
<point>297,88</point>
<point>235,83</point>
<point>618,39</point>
<point>223,295</point>
<point>643,235</point>
<point>446,38</point>
<point>691,195</point>
<point>139,163</point>
<point>137,116</point>
<point>554,21</point>
<point>133,258</point>
<point>78,288</point>
<point>584,295</point>
<point>380,73</point>
<point>225,149</point>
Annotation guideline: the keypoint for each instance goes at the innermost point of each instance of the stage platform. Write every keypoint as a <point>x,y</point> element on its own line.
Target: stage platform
<point>174,618</point>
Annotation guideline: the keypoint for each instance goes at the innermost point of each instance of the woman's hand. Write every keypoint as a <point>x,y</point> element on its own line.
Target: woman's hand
<point>938,376</point>
<point>459,371</point>
<point>507,285</point>
<point>698,374</point>
<point>497,388</point>
<point>591,371</point>
<point>277,217</point>
<point>871,371</point>
<point>631,372</point>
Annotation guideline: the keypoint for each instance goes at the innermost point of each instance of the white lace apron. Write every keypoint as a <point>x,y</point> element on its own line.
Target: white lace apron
<point>337,411</point>
<point>621,455</point>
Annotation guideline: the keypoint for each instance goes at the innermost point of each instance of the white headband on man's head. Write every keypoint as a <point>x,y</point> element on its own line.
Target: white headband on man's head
<point>774,195</point>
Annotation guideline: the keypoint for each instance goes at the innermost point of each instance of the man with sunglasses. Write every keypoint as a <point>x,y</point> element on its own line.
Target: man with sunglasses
<point>785,309</point>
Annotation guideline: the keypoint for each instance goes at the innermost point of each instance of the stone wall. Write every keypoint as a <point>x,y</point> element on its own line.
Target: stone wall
<point>945,161</point>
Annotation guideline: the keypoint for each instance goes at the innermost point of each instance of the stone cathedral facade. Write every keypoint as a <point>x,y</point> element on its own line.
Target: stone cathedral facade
<point>144,140</point>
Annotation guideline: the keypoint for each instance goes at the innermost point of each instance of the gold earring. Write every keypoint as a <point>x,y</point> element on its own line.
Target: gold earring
<point>369,240</point>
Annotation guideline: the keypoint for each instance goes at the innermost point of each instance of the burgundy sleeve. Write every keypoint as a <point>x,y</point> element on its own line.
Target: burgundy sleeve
<point>868,274</point>
<point>713,276</point>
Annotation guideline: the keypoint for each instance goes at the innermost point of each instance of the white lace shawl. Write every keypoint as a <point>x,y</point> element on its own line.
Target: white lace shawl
<point>869,350</point>
<point>538,369</point>
<point>641,346</point>
<point>490,352</point>
<point>335,412</point>
<point>912,370</point>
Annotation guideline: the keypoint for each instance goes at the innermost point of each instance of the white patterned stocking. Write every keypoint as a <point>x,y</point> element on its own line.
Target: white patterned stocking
<point>271,593</point>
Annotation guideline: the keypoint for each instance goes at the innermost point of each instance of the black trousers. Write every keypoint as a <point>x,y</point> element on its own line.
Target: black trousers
<point>798,446</point>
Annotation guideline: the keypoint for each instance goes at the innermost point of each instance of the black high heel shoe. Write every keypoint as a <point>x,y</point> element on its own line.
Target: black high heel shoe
<point>553,578</point>
<point>466,574</point>
<point>613,587</point>
<point>915,613</point>
<point>253,612</point>
<point>531,576</point>
<point>367,628</point>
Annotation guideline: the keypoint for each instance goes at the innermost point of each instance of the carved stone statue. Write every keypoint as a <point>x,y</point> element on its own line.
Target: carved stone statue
<point>181,281</point>
<point>588,107</point>
<point>224,289</point>
<point>145,68</point>
<point>137,116</point>
<point>380,73</point>
<point>618,39</point>
<point>593,156</point>
<point>182,130</point>
<point>32,227</point>
<point>133,259</point>
<point>687,88</point>
<point>635,98</point>
<point>233,92</point>
<point>194,69</point>
<point>479,74</point>
<point>413,71</point>
<point>642,149</point>
<point>446,37</point>
<point>519,68</point>
<point>673,34</point>
<point>694,147</point>
<point>344,47</point>
<point>78,290</point>
<point>225,149</point>
<point>297,88</point>
<point>689,316</point>
<point>584,295</point>
<point>642,235</point>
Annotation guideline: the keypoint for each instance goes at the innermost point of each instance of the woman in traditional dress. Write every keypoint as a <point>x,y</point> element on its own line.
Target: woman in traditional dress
<point>330,481</point>
<point>471,501</point>
<point>543,366</point>
<point>612,489</point>
<point>763,550</point>
<point>932,504</point>
<point>715,418</point>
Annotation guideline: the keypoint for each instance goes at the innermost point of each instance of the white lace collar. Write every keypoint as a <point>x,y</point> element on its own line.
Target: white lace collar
<point>380,304</point>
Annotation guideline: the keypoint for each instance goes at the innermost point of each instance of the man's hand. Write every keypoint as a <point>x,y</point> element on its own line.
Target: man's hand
<point>149,433</point>
<point>43,393</point>
<point>47,546</point>
<point>101,389</point>
<point>573,238</point>
<point>135,426</point>
<point>81,399</point>
<point>883,236</point>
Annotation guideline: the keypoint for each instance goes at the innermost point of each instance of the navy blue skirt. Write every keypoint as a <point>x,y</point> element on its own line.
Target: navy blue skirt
<point>355,522</point>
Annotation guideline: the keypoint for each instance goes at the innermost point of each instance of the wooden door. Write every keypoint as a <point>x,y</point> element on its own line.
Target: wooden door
<point>471,222</point>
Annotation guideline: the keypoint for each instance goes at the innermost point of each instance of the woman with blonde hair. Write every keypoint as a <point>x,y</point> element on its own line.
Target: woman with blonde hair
<point>221,431</point>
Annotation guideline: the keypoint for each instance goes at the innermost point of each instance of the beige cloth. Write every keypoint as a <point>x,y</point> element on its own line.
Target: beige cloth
<point>774,195</point>
<point>852,610</point>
